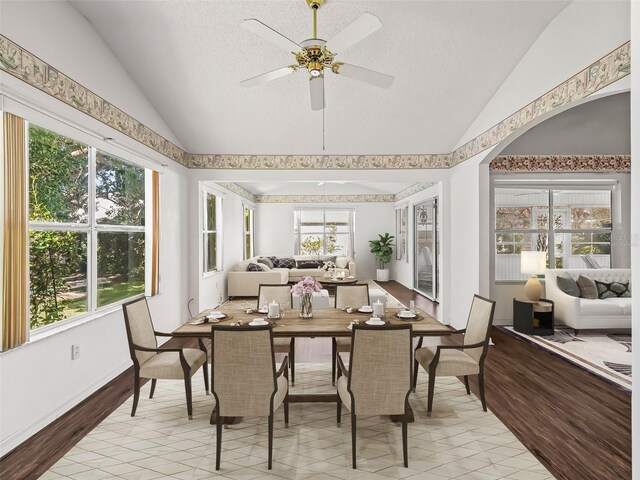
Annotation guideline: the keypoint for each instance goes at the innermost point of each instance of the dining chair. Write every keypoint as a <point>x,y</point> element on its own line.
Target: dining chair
<point>346,296</point>
<point>378,380</point>
<point>244,380</point>
<point>267,293</point>
<point>460,360</point>
<point>152,362</point>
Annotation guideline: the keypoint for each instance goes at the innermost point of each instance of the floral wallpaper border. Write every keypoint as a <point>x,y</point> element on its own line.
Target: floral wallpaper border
<point>238,190</point>
<point>383,198</point>
<point>560,163</point>
<point>27,67</point>
<point>407,192</point>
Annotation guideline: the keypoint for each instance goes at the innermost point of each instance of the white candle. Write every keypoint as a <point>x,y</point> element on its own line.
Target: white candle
<point>274,309</point>
<point>378,309</point>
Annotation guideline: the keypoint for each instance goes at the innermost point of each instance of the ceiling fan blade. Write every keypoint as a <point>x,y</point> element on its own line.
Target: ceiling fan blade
<point>359,29</point>
<point>378,79</point>
<point>267,77</point>
<point>316,88</point>
<point>269,34</point>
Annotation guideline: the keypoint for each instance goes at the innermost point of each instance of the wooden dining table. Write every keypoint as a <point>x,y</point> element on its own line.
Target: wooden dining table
<point>331,322</point>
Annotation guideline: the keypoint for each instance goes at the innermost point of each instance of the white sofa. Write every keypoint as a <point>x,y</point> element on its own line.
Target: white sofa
<point>241,283</point>
<point>582,313</point>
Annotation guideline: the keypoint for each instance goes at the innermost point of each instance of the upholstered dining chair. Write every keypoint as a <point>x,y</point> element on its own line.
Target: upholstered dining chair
<point>460,360</point>
<point>152,362</point>
<point>267,293</point>
<point>244,380</point>
<point>346,296</point>
<point>378,380</point>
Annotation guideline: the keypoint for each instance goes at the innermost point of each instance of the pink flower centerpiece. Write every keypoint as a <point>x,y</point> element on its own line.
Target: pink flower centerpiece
<point>305,289</point>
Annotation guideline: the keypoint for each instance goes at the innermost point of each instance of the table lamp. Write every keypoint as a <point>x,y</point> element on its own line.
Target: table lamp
<point>534,263</point>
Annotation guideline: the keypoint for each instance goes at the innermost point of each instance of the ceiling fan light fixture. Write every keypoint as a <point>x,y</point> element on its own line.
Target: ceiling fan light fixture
<point>316,69</point>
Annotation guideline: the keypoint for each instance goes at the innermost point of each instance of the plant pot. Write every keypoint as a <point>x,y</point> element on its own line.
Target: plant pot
<point>382,275</point>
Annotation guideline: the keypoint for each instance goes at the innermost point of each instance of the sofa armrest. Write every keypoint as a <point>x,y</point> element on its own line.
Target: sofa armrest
<point>566,307</point>
<point>352,268</point>
<point>247,284</point>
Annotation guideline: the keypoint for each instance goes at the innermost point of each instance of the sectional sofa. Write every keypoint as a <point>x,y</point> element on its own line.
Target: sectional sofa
<point>243,283</point>
<point>583,313</point>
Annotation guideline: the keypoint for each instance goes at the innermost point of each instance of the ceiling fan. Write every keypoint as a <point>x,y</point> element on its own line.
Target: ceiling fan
<point>316,55</point>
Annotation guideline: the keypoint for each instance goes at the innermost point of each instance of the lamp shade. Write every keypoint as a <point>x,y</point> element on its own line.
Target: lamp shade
<point>534,263</point>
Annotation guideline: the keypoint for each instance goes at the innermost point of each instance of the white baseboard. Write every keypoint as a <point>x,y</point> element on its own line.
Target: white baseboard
<point>12,441</point>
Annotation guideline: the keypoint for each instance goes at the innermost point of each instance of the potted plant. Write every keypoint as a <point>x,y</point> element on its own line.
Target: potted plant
<point>382,249</point>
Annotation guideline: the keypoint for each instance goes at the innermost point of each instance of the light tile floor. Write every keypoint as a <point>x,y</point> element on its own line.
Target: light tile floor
<point>458,441</point>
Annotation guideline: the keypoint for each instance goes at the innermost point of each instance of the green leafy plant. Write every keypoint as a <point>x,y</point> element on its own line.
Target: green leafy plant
<point>382,249</point>
<point>311,245</point>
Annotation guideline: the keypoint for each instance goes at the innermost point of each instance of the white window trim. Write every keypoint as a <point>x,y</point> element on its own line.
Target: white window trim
<point>247,206</point>
<point>206,190</point>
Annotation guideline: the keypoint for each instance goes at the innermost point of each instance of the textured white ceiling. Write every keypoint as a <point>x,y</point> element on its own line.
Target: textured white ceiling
<point>448,59</point>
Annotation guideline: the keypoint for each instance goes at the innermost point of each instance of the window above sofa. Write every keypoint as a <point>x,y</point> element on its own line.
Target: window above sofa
<point>324,231</point>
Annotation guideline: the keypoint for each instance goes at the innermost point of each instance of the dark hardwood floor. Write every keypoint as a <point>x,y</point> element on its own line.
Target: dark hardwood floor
<point>576,424</point>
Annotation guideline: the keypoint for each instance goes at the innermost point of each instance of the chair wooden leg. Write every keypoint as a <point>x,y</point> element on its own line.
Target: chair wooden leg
<point>353,440</point>
<point>286,410</point>
<point>153,387</point>
<point>218,440</point>
<point>432,383</point>
<point>136,393</point>
<point>405,453</point>
<point>416,366</point>
<point>292,360</point>
<point>187,389</point>
<point>339,410</point>
<point>466,384</point>
<point>205,371</point>
<point>334,360</point>
<point>481,388</point>
<point>270,441</point>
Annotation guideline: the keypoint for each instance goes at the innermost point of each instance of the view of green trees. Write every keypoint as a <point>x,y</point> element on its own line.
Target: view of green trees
<point>314,245</point>
<point>59,237</point>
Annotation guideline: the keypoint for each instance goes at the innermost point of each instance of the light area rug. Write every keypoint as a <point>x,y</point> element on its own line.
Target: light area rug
<point>604,353</point>
<point>250,302</point>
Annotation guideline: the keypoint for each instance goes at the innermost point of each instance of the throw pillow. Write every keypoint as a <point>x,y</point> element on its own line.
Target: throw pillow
<point>273,259</point>
<point>613,289</point>
<point>266,261</point>
<point>587,287</point>
<point>568,285</point>
<point>342,262</point>
<point>285,263</point>
<point>254,267</point>
<point>309,264</point>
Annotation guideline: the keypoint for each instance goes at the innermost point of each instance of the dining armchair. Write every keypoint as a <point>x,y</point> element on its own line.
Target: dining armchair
<point>244,380</point>
<point>378,380</point>
<point>460,360</point>
<point>346,296</point>
<point>282,294</point>
<point>155,363</point>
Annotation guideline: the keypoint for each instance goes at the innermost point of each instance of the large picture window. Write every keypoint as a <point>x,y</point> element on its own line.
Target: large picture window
<point>211,237</point>
<point>573,225</point>
<point>248,226</point>
<point>324,232</point>
<point>86,228</point>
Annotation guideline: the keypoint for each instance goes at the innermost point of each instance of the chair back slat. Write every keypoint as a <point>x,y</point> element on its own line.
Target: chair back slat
<point>352,295</point>
<point>243,370</point>
<point>478,326</point>
<point>380,369</point>
<point>139,329</point>
<point>279,293</point>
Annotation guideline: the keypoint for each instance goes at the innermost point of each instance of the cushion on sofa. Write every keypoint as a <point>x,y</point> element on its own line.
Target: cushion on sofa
<point>342,262</point>
<point>568,285</point>
<point>592,308</point>
<point>309,263</point>
<point>587,287</point>
<point>266,261</point>
<point>622,302</point>
<point>613,289</point>
<point>256,267</point>
<point>284,263</point>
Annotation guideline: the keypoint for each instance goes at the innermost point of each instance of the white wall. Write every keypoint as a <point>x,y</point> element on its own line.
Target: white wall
<point>274,230</point>
<point>38,381</point>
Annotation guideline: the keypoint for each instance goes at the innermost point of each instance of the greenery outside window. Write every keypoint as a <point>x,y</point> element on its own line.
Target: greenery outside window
<point>324,232</point>
<point>86,228</point>
<point>248,226</point>
<point>211,232</point>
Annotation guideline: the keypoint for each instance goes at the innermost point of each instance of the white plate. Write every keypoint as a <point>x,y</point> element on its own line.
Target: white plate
<point>263,310</point>
<point>407,314</point>
<point>216,316</point>
<point>365,309</point>
<point>258,323</point>
<point>374,322</point>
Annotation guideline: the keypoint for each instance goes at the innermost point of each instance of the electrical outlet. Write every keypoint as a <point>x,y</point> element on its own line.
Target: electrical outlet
<point>75,352</point>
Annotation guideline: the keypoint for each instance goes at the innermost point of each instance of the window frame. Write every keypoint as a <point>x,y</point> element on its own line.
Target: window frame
<point>550,187</point>
<point>251,233</point>
<point>91,228</point>
<point>297,224</point>
<point>205,192</point>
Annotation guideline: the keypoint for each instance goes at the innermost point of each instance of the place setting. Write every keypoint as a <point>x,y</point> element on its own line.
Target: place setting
<point>211,317</point>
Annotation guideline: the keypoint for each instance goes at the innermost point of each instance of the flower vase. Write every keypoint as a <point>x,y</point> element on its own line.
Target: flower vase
<point>306,307</point>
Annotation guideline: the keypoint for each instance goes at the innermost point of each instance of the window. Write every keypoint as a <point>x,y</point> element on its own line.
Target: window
<point>580,225</point>
<point>247,223</point>
<point>324,232</point>
<point>86,228</point>
<point>211,222</point>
